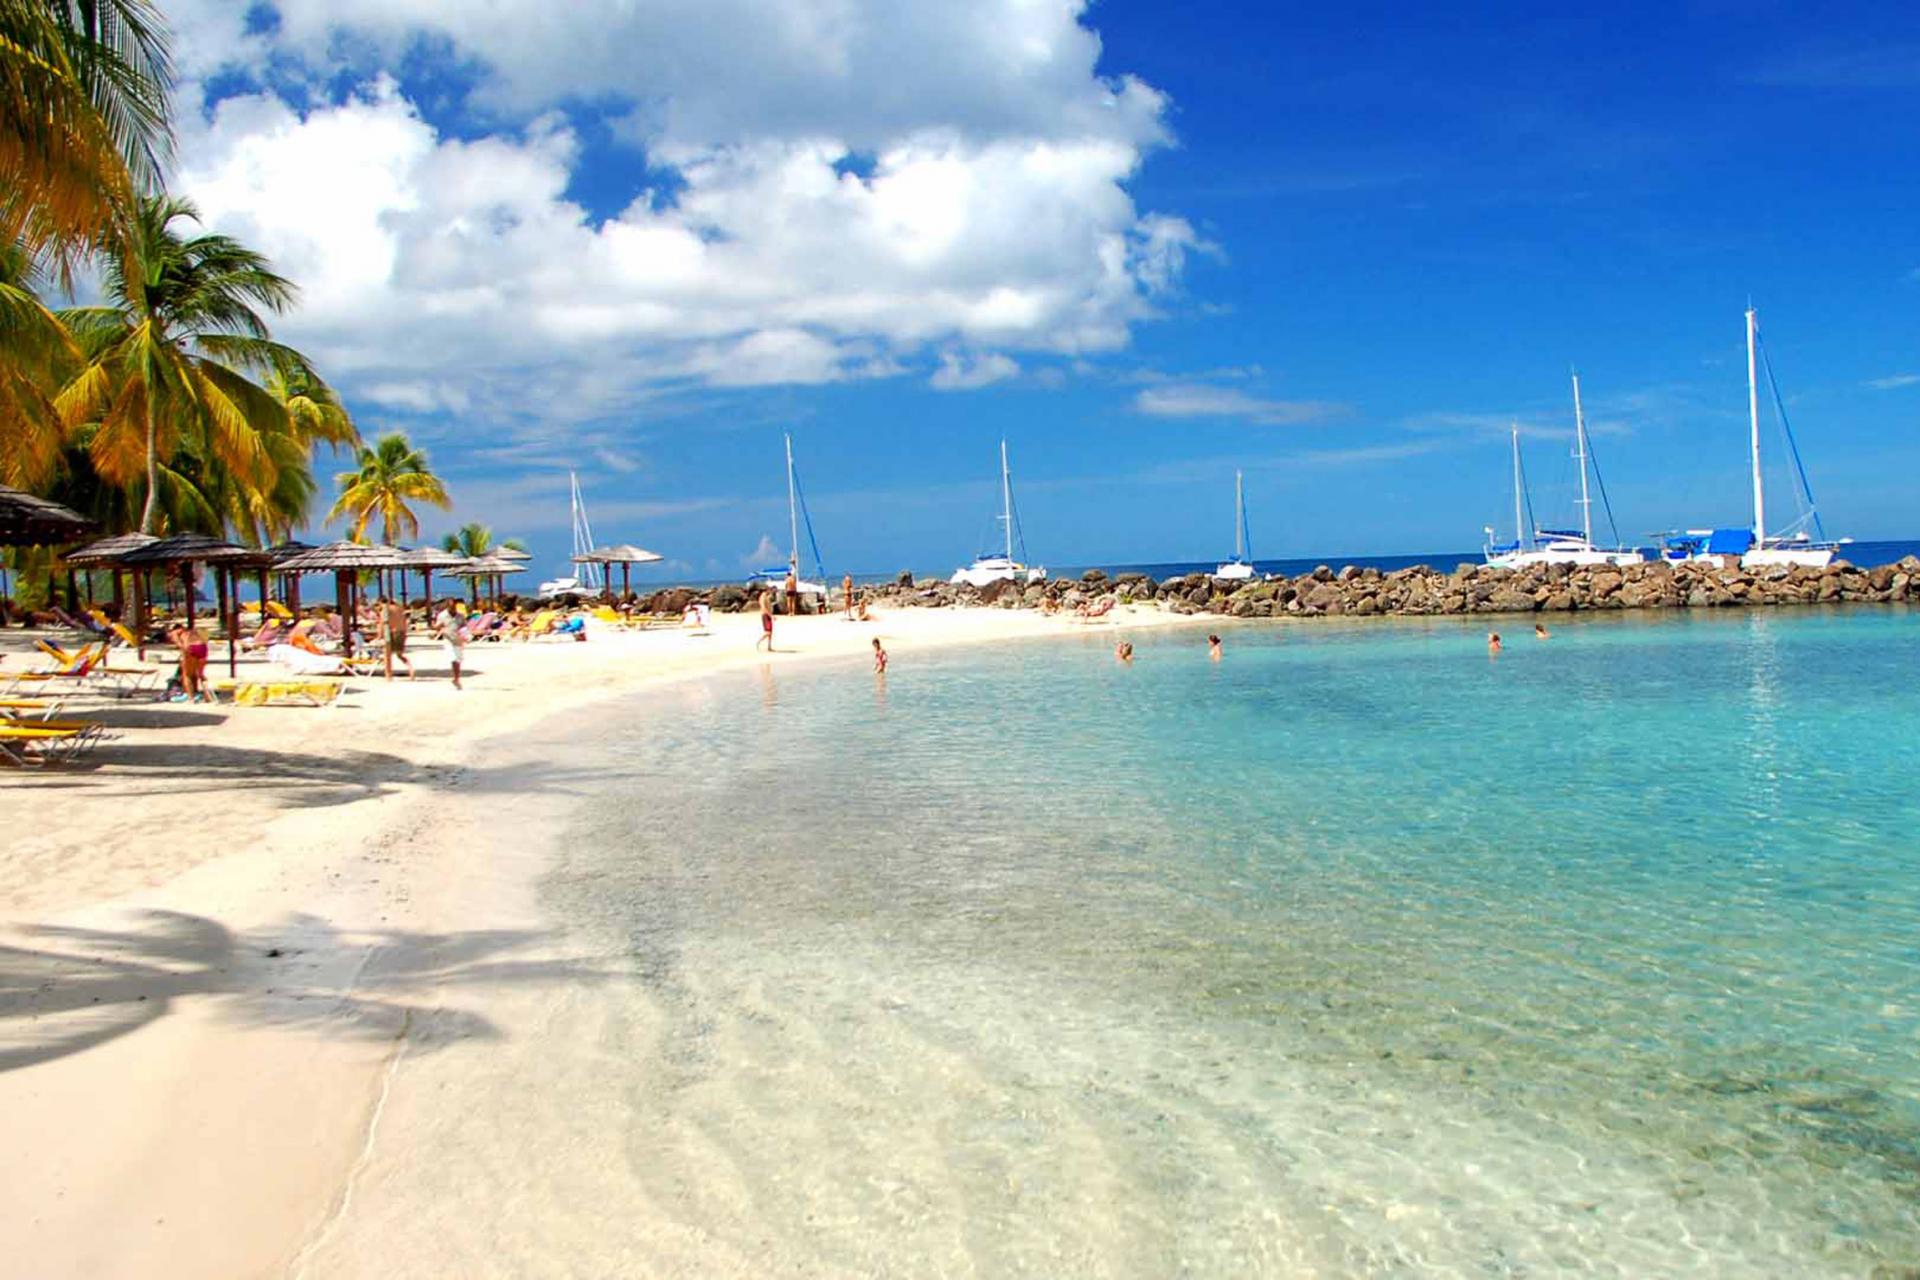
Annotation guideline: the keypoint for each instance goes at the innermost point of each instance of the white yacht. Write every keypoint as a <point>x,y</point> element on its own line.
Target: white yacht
<point>1240,568</point>
<point>990,567</point>
<point>1533,545</point>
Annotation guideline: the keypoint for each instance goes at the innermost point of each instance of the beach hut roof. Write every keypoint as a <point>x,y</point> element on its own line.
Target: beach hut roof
<point>433,558</point>
<point>337,557</point>
<point>619,553</point>
<point>510,553</point>
<point>29,521</point>
<point>485,567</point>
<point>287,550</point>
<point>195,548</point>
<point>107,551</point>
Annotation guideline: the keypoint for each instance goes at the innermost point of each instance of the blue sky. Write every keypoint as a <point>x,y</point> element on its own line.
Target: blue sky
<point>1340,249</point>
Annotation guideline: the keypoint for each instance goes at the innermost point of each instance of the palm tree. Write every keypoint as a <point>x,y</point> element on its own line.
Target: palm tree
<point>159,377</point>
<point>35,357</point>
<point>83,118</point>
<point>390,475</point>
<point>470,540</point>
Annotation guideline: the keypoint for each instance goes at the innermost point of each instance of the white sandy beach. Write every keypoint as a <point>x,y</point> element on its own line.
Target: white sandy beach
<point>223,933</point>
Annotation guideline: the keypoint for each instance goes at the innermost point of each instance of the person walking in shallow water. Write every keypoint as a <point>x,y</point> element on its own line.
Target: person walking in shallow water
<point>766,621</point>
<point>879,658</point>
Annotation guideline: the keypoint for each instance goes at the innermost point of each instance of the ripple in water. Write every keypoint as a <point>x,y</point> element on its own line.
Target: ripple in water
<point>1359,952</point>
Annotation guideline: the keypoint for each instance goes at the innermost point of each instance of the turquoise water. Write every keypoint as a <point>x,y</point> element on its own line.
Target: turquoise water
<point>1359,952</point>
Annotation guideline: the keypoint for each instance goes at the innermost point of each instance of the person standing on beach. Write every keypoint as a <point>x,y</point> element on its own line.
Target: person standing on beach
<point>846,594</point>
<point>766,621</point>
<point>455,638</point>
<point>879,658</point>
<point>393,629</point>
<point>793,591</point>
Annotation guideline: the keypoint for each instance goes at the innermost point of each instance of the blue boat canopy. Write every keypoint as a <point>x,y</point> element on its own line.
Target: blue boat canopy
<point>1729,542</point>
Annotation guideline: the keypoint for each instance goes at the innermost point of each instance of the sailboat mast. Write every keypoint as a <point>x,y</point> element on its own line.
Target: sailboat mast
<point>1580,454</point>
<point>1006,498</point>
<point>793,514</point>
<point>1520,532</point>
<point>1239,519</point>
<point>582,530</point>
<point>1753,420</point>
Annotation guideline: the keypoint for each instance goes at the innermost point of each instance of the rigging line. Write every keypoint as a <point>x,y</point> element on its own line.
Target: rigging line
<point>1600,482</point>
<point>1793,449</point>
<point>1013,514</point>
<point>1526,496</point>
<point>806,518</point>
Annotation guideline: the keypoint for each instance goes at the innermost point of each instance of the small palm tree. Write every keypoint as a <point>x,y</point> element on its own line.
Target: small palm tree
<point>159,375</point>
<point>471,540</point>
<point>391,475</point>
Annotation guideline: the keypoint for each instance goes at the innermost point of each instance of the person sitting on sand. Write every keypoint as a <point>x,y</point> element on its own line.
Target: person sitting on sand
<point>1493,642</point>
<point>1213,647</point>
<point>864,615</point>
<point>879,658</point>
<point>1124,651</point>
<point>1540,631</point>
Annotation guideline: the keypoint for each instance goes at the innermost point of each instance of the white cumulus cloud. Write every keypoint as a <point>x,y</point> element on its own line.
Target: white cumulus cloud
<point>830,190</point>
<point>1200,400</point>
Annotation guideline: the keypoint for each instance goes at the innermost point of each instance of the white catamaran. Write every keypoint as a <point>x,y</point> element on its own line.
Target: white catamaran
<point>776,576</point>
<point>991,567</point>
<point>1240,568</point>
<point>1803,543</point>
<point>1533,545</point>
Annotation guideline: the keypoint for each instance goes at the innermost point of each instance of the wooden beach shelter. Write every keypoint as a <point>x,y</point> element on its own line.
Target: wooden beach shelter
<point>346,561</point>
<point>111,554</point>
<point>487,566</point>
<point>624,554</point>
<point>183,551</point>
<point>29,521</point>
<point>426,560</point>
<point>289,582</point>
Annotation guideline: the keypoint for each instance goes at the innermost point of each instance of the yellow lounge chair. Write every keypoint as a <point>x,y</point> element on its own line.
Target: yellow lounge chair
<point>279,611</point>
<point>22,708</point>
<point>43,745</point>
<point>279,693</point>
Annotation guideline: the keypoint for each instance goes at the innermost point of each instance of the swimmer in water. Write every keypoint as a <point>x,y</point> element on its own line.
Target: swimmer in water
<point>1493,642</point>
<point>1123,651</point>
<point>1213,647</point>
<point>1540,631</point>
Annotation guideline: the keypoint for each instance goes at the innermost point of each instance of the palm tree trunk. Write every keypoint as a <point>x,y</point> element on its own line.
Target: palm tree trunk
<point>147,517</point>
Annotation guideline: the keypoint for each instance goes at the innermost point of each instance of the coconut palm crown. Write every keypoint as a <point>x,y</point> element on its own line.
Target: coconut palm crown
<point>162,360</point>
<point>391,475</point>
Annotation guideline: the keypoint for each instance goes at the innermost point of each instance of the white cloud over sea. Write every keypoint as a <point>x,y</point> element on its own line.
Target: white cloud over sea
<point>809,192</point>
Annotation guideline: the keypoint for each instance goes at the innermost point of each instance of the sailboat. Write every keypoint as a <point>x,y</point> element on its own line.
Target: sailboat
<point>1240,568</point>
<point>988,566</point>
<point>1804,542</point>
<point>776,576</point>
<point>586,576</point>
<point>1533,545</point>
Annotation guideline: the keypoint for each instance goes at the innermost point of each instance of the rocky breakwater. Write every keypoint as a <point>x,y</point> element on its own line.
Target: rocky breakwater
<point>1415,592</point>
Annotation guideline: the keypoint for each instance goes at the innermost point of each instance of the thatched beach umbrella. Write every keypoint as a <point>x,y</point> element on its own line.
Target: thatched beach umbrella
<point>487,566</point>
<point>188,549</point>
<point>426,560</point>
<point>110,553</point>
<point>624,554</point>
<point>345,561</point>
<point>29,521</point>
<point>289,582</point>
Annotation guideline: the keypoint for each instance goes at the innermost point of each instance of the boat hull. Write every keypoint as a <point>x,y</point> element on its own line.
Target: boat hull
<point>1788,558</point>
<point>1234,571</point>
<point>982,573</point>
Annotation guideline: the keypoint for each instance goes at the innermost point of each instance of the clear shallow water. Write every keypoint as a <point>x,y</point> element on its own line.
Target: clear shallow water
<point>1357,953</point>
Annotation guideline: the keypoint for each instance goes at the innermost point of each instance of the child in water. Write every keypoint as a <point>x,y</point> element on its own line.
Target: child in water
<point>1213,647</point>
<point>1493,642</point>
<point>879,658</point>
